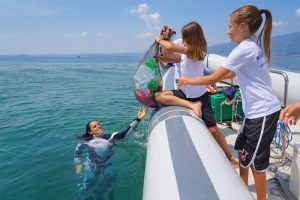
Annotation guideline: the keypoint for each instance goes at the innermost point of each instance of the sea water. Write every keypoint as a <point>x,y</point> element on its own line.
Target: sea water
<point>46,101</point>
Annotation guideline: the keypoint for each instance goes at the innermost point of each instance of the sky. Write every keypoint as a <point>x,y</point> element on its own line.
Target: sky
<point>120,26</point>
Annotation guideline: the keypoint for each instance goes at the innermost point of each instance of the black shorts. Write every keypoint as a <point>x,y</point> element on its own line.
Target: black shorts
<point>207,112</point>
<point>255,139</point>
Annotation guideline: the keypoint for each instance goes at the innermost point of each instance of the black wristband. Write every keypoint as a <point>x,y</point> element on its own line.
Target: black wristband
<point>137,119</point>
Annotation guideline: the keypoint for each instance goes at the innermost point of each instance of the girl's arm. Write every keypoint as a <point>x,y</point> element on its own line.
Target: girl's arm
<point>168,56</point>
<point>220,74</point>
<point>169,46</point>
<point>171,58</point>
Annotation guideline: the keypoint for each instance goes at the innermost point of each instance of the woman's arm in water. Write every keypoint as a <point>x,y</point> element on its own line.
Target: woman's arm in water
<point>119,135</point>
<point>77,156</point>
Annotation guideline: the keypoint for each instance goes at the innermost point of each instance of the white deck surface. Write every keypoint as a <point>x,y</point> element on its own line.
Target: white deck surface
<point>276,191</point>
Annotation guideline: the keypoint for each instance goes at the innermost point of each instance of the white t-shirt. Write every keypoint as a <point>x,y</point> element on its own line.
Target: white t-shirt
<point>188,67</point>
<point>251,69</point>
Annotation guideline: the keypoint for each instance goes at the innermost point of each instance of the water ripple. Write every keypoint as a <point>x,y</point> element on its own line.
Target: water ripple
<point>45,103</point>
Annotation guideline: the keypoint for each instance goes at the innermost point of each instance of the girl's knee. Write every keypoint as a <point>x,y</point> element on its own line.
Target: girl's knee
<point>160,96</point>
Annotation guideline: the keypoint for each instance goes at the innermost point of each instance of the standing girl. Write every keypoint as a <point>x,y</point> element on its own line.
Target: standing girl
<point>260,105</point>
<point>189,53</point>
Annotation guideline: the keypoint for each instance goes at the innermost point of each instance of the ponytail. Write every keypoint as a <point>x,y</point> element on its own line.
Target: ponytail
<point>266,32</point>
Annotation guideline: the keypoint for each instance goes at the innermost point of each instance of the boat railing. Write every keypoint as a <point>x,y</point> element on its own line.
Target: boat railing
<point>278,151</point>
<point>286,84</point>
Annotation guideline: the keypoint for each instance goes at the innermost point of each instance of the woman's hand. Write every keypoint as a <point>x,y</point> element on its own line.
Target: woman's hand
<point>78,168</point>
<point>142,113</point>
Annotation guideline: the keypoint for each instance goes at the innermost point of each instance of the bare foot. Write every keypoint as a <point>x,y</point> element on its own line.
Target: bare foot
<point>234,162</point>
<point>196,108</point>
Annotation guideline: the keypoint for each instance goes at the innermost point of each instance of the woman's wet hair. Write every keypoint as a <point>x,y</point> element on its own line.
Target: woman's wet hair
<point>86,135</point>
<point>88,128</point>
<point>252,16</point>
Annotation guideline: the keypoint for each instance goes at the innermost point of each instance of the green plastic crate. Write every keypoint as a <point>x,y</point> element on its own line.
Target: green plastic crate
<point>216,99</point>
<point>226,112</point>
<point>216,104</point>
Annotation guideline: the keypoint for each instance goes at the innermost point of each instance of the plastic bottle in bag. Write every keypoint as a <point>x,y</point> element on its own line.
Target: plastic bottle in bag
<point>147,82</point>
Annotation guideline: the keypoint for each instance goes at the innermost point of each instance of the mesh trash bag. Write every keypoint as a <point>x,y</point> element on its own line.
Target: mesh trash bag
<point>147,78</point>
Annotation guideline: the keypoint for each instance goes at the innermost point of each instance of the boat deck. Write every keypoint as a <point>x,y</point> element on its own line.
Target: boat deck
<point>279,171</point>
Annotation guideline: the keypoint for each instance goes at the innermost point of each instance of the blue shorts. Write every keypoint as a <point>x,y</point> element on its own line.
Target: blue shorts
<point>254,141</point>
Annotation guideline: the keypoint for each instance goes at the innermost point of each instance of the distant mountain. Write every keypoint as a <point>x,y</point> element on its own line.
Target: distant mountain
<point>281,45</point>
<point>286,44</point>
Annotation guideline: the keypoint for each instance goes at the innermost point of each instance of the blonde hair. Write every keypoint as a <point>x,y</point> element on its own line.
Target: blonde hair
<point>251,15</point>
<point>193,37</point>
